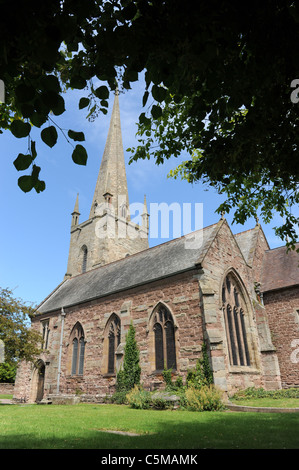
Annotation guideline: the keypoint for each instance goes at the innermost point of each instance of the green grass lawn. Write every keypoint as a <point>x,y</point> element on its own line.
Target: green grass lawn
<point>268,402</point>
<point>83,427</point>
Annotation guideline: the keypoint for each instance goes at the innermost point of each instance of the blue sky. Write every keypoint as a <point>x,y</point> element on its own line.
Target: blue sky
<point>35,228</point>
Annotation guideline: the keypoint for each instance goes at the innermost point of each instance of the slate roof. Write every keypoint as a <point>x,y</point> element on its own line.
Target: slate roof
<point>280,269</point>
<point>149,265</point>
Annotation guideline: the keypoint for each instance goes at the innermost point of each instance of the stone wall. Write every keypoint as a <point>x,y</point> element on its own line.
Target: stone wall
<point>6,389</point>
<point>283,313</point>
<point>179,293</point>
<point>224,256</point>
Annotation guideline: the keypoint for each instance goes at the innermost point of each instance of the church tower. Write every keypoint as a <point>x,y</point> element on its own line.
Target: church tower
<point>109,234</point>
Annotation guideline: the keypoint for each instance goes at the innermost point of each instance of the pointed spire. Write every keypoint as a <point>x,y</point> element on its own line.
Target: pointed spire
<point>112,174</point>
<point>76,213</point>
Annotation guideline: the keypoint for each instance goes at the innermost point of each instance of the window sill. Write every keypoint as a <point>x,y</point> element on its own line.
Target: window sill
<point>109,375</point>
<point>74,376</point>
<point>161,372</point>
<point>243,370</point>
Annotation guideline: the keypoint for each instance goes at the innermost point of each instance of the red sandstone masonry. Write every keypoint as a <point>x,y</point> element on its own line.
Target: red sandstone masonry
<point>179,293</point>
<point>282,307</point>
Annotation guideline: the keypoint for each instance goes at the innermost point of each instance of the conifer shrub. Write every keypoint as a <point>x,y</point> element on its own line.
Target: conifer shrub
<point>129,375</point>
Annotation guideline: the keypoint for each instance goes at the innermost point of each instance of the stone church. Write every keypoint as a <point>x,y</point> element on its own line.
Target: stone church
<point>230,291</point>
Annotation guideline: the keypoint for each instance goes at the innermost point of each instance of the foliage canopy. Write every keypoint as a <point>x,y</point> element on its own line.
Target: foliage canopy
<point>20,341</point>
<point>218,85</point>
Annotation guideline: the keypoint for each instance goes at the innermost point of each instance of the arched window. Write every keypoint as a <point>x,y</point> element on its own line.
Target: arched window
<point>164,332</point>
<point>234,315</point>
<point>78,350</point>
<point>84,260</point>
<point>113,342</point>
<point>124,211</point>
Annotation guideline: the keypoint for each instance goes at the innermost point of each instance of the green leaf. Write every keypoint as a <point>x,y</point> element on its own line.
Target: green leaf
<point>22,162</point>
<point>158,93</point>
<point>131,75</point>
<point>156,111</point>
<point>27,110</point>
<point>144,120</point>
<point>49,136</point>
<point>145,97</point>
<point>35,172</point>
<point>53,101</point>
<point>83,103</point>
<point>26,183</point>
<point>58,108</point>
<point>77,82</point>
<point>129,11</point>
<point>102,92</point>
<point>38,119</point>
<point>79,136</point>
<point>33,150</point>
<point>20,129</point>
<point>39,186</point>
<point>24,93</point>
<point>79,155</point>
<point>51,83</point>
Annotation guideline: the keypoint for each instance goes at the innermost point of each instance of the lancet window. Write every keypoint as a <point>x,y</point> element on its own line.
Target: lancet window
<point>164,333</point>
<point>114,334</point>
<point>78,350</point>
<point>234,310</point>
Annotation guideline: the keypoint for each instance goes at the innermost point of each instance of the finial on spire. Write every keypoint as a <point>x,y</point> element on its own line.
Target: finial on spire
<point>222,215</point>
<point>145,216</point>
<point>76,213</point>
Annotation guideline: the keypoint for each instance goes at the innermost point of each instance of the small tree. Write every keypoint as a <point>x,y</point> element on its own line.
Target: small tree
<point>129,375</point>
<point>7,372</point>
<point>21,342</point>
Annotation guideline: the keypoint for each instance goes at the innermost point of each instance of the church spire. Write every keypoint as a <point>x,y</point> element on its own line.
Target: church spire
<point>109,234</point>
<point>112,170</point>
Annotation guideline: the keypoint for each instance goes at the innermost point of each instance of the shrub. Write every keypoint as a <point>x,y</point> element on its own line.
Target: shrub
<point>129,375</point>
<point>167,377</point>
<point>160,403</point>
<point>120,397</point>
<point>169,385</point>
<point>202,374</point>
<point>139,398</point>
<point>252,392</point>
<point>178,383</point>
<point>206,398</point>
